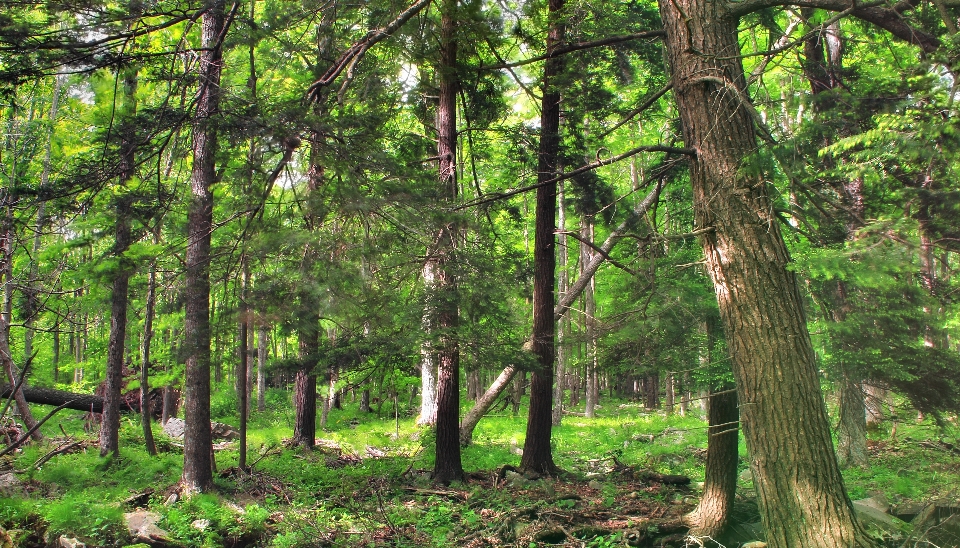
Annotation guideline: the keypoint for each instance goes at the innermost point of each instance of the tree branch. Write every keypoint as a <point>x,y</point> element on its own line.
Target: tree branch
<point>358,49</point>
<point>888,18</point>
<point>570,48</point>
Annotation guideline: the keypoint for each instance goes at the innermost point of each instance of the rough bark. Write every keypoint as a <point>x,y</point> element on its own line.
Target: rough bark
<point>537,455</point>
<point>305,388</point>
<point>712,514</point>
<point>447,465</point>
<point>197,442</point>
<point>800,490</point>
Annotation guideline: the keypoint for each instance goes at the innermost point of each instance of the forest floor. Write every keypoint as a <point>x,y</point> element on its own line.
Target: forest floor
<point>367,483</point>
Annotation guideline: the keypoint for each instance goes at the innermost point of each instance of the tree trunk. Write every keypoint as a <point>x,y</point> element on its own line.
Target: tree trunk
<point>712,515</point>
<point>670,395</point>
<point>519,387</point>
<point>428,357</point>
<point>447,466</point>
<point>261,365</point>
<point>197,443</point>
<point>537,455</point>
<point>592,392</point>
<point>110,423</point>
<point>852,434</point>
<point>305,388</point>
<point>875,398</point>
<point>145,417</point>
<point>365,401</point>
<point>50,396</point>
<point>800,490</point>
<point>243,365</point>
<point>562,283</point>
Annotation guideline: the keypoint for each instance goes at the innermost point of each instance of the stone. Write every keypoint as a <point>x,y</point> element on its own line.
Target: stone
<point>878,502</point>
<point>70,542</point>
<point>200,524</point>
<point>175,428</point>
<point>142,526</point>
<point>10,484</point>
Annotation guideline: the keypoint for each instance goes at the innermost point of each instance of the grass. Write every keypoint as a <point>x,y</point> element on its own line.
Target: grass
<point>347,497</point>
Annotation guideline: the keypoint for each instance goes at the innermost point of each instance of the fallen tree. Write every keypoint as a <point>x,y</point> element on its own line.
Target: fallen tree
<point>51,396</point>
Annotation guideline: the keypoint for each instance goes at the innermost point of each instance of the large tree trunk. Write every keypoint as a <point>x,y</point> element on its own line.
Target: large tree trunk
<point>800,490</point>
<point>537,455</point>
<point>197,443</point>
<point>447,466</point>
<point>712,515</point>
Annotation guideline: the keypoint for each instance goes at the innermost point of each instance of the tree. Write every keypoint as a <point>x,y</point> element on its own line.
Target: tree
<point>197,443</point>
<point>800,490</point>
<point>537,456</point>
<point>447,466</point>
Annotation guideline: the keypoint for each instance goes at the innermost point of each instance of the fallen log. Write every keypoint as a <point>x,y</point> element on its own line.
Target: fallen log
<point>51,396</point>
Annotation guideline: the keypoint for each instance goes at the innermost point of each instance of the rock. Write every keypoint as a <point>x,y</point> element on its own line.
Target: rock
<point>176,427</point>
<point>200,524</point>
<point>142,526</point>
<point>10,484</point>
<point>878,502</point>
<point>70,542</point>
<point>223,431</point>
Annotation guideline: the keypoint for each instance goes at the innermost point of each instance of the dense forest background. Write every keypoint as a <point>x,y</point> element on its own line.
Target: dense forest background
<point>444,206</point>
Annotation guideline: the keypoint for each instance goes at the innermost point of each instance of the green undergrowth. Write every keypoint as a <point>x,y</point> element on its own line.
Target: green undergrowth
<point>367,483</point>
